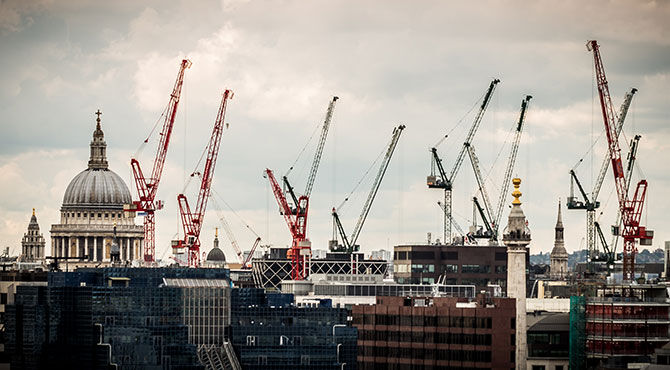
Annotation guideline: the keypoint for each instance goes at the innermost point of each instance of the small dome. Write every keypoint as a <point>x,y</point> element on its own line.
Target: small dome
<point>93,188</point>
<point>216,255</point>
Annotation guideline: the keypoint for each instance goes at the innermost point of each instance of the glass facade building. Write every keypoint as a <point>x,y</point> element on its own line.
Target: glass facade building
<point>270,332</point>
<point>124,318</point>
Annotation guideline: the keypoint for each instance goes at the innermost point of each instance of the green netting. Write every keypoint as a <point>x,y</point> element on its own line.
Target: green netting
<point>577,332</point>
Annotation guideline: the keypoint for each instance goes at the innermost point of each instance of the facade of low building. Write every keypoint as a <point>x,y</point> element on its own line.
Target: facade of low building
<point>436,332</point>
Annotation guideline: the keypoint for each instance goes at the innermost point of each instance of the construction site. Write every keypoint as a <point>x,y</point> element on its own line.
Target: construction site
<point>110,292</point>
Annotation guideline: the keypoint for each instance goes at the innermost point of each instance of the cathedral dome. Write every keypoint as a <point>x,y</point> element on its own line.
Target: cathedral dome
<point>216,255</point>
<point>96,187</point>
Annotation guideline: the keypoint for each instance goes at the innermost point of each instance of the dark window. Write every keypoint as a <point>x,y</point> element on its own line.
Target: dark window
<point>3,298</point>
<point>501,269</point>
<point>513,321</point>
<point>538,367</point>
<point>423,255</point>
<point>501,256</point>
<point>449,255</point>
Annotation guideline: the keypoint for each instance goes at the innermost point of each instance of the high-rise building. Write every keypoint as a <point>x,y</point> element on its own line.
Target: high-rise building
<point>92,206</point>
<point>149,318</point>
<point>516,237</point>
<point>559,256</point>
<point>32,244</point>
<point>436,333</point>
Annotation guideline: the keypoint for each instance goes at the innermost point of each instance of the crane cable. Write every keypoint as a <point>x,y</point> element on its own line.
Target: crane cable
<point>460,121</point>
<point>365,175</point>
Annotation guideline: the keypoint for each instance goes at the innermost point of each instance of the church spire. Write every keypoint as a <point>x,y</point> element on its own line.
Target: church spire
<point>98,160</point>
<point>559,225</point>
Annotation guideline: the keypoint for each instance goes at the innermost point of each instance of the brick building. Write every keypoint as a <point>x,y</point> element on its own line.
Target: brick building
<point>436,332</point>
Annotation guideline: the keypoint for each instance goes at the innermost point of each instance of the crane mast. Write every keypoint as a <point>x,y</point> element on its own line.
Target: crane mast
<point>320,146</point>
<point>245,263</point>
<point>192,220</point>
<point>631,210</point>
<point>297,224</point>
<point>296,218</point>
<point>592,203</point>
<point>350,243</point>
<point>507,179</point>
<point>147,187</point>
<point>444,181</point>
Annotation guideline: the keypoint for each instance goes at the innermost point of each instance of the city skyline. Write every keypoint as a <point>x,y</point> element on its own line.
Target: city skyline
<point>65,60</point>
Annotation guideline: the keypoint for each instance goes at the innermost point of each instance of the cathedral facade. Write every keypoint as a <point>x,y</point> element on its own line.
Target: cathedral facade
<point>32,244</point>
<point>92,208</point>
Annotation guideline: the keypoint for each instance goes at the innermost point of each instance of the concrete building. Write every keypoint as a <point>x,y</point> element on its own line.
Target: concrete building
<point>92,205</point>
<point>516,237</point>
<point>559,256</point>
<point>436,333</point>
<point>32,244</point>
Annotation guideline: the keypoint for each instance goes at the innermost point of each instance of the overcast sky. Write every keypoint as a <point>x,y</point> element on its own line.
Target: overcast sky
<point>422,63</point>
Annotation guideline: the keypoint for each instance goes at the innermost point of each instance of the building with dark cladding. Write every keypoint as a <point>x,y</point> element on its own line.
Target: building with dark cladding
<point>548,341</point>
<point>451,264</point>
<point>436,333</point>
<point>270,332</point>
<point>123,318</point>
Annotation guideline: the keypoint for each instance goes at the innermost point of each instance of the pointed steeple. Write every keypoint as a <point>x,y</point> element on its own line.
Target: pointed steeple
<point>559,226</point>
<point>216,238</point>
<point>98,160</point>
<point>559,220</point>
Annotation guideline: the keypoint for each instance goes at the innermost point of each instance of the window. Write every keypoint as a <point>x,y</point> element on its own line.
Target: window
<point>450,269</point>
<point>501,256</point>
<point>304,360</point>
<point>251,341</point>
<point>3,298</point>
<point>78,214</point>
<point>538,367</point>
<point>558,367</point>
<point>262,360</point>
<point>423,255</point>
<point>513,322</point>
<point>475,269</point>
<point>501,269</point>
<point>449,255</point>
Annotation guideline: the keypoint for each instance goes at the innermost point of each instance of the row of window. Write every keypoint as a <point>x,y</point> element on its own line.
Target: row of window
<point>427,354</point>
<point>432,255</point>
<point>425,321</point>
<point>449,269</point>
<point>93,214</point>
<point>425,337</point>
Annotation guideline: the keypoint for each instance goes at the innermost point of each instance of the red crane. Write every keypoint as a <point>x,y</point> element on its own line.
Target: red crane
<point>192,221</point>
<point>147,187</point>
<point>297,224</point>
<point>631,210</point>
<point>296,218</point>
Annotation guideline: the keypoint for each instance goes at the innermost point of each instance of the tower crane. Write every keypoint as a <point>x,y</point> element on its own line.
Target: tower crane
<point>192,220</point>
<point>296,217</point>
<point>350,245</point>
<point>631,209</point>
<point>492,220</point>
<point>592,203</point>
<point>453,221</point>
<point>440,179</point>
<point>147,187</point>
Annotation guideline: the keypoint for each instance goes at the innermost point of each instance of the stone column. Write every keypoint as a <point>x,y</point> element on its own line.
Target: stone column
<point>124,248</point>
<point>131,248</point>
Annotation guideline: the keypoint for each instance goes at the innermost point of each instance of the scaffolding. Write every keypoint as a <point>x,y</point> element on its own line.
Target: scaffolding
<point>577,332</point>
